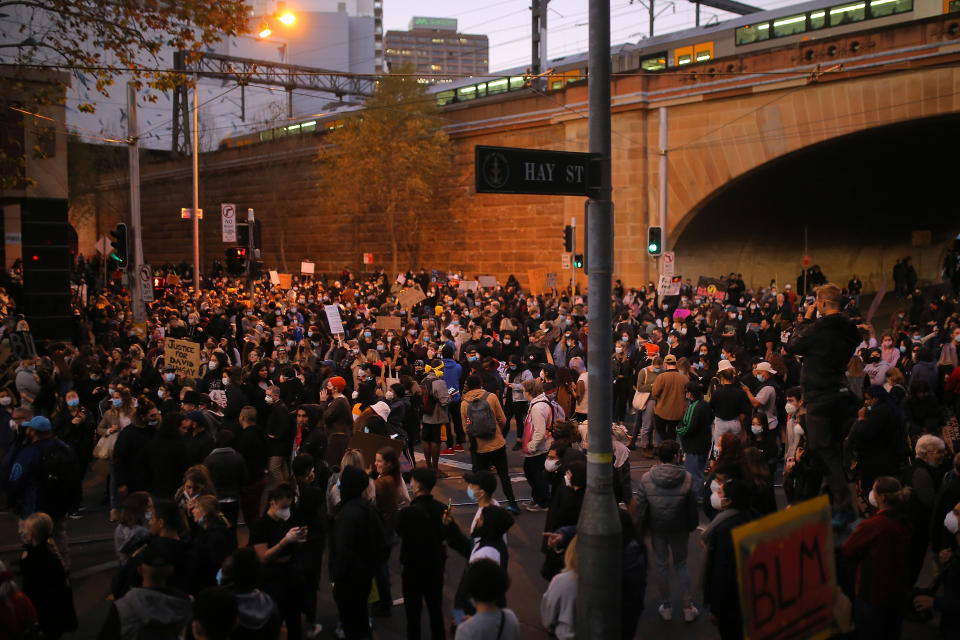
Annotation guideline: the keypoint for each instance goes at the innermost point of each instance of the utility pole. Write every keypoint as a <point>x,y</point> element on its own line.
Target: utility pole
<point>662,144</point>
<point>196,192</point>
<point>133,155</point>
<point>538,36</point>
<point>598,530</point>
<point>251,244</point>
<point>573,262</point>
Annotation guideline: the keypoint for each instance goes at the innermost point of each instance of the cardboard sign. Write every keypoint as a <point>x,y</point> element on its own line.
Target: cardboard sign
<point>228,220</point>
<point>22,344</point>
<point>667,287</point>
<point>410,297</point>
<point>469,285</point>
<point>712,289</point>
<point>333,318</point>
<point>173,280</point>
<point>386,323</point>
<point>286,280</point>
<point>306,267</point>
<point>488,282</point>
<point>183,356</point>
<point>538,280</point>
<point>551,280</point>
<point>274,277</point>
<point>786,573</point>
<point>369,443</point>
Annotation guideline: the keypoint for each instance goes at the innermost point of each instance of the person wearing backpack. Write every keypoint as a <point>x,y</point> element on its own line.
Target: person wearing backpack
<point>483,419</point>
<point>539,420</point>
<point>42,477</point>
<point>436,399</point>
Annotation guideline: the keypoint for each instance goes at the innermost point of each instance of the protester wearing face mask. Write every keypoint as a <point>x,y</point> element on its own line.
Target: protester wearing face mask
<point>565,505</point>
<point>876,550</point>
<point>276,541</point>
<point>622,371</point>
<point>130,453</point>
<point>643,427</point>
<point>948,605</point>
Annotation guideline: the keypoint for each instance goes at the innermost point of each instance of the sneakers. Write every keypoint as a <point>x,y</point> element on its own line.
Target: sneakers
<point>533,507</point>
<point>514,509</point>
<point>458,447</point>
<point>666,613</point>
<point>447,452</point>
<point>690,613</point>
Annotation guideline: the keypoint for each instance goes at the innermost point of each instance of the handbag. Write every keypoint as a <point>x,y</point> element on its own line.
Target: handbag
<point>640,399</point>
<point>105,445</point>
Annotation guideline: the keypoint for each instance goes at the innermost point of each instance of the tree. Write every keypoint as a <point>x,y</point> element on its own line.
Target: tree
<point>392,162</point>
<point>102,40</point>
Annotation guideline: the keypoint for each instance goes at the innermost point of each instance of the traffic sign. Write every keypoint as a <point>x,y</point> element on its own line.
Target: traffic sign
<point>228,221</point>
<point>512,170</point>
<point>146,282</point>
<point>669,264</point>
<point>565,260</point>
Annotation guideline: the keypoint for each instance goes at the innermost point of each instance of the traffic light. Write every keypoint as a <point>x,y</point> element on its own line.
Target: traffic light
<point>568,239</point>
<point>654,240</point>
<point>159,284</point>
<point>236,260</point>
<point>119,243</point>
<point>578,261</point>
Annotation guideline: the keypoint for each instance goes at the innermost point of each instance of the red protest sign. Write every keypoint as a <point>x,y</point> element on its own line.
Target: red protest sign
<point>786,573</point>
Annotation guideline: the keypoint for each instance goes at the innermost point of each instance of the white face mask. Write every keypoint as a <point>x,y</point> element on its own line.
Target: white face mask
<point>951,523</point>
<point>791,408</point>
<point>715,486</point>
<point>566,480</point>
<point>283,514</point>
<point>390,395</point>
<point>213,365</point>
<point>6,401</point>
<point>757,429</point>
<point>716,501</point>
<point>872,499</point>
<point>551,464</point>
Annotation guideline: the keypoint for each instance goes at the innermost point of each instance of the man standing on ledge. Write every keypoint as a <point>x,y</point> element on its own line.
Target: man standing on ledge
<point>827,343</point>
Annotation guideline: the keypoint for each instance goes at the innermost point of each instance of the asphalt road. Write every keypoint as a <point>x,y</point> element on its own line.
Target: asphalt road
<point>93,562</point>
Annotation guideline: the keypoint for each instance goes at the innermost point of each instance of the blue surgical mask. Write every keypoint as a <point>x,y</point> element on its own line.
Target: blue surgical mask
<point>470,493</point>
<point>73,402</point>
<point>760,377</point>
<point>723,356</point>
<point>117,402</point>
<point>367,334</point>
<point>472,358</point>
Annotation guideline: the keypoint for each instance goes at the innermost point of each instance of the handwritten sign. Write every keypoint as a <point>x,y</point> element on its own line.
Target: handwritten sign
<point>386,323</point>
<point>22,344</point>
<point>306,267</point>
<point>552,280</point>
<point>786,573</point>
<point>667,287</point>
<point>487,282</point>
<point>469,285</point>
<point>183,356</point>
<point>410,297</point>
<point>333,317</point>
<point>274,277</point>
<point>286,280</point>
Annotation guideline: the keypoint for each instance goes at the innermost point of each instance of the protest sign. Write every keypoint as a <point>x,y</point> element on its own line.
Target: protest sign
<point>386,323</point>
<point>437,276</point>
<point>333,318</point>
<point>487,282</point>
<point>538,280</point>
<point>274,277</point>
<point>410,297</point>
<point>551,280</point>
<point>712,289</point>
<point>469,285</point>
<point>667,287</point>
<point>183,356</point>
<point>286,280</point>
<point>306,267</point>
<point>786,573</point>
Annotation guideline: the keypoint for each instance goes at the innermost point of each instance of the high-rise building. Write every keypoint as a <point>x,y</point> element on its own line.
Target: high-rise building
<point>434,48</point>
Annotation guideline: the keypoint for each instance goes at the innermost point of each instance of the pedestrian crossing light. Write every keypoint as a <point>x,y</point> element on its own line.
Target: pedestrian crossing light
<point>654,241</point>
<point>119,255</point>
<point>578,261</point>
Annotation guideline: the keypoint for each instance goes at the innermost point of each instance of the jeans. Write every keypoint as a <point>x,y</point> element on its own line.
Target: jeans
<point>418,588</point>
<point>665,429</point>
<point>516,410</point>
<point>536,476</point>
<point>457,421</point>
<point>351,598</point>
<point>663,544</point>
<point>694,463</point>
<point>827,416</point>
<point>498,460</point>
<point>644,424</point>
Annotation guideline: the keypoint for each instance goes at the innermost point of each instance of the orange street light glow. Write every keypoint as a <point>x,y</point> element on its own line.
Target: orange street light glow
<point>288,18</point>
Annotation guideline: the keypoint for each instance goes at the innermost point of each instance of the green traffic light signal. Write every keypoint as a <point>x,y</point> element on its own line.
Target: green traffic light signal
<point>654,241</point>
<point>578,261</point>
<point>653,248</point>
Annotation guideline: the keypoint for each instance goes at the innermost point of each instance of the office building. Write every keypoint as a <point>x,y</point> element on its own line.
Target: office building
<point>436,50</point>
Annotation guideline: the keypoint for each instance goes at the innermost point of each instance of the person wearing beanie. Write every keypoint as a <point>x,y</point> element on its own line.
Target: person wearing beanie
<point>359,546</point>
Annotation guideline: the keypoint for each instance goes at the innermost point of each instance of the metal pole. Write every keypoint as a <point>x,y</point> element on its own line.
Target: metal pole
<point>662,143</point>
<point>598,531</point>
<point>133,155</point>
<point>251,223</point>
<point>573,266</point>
<point>196,192</point>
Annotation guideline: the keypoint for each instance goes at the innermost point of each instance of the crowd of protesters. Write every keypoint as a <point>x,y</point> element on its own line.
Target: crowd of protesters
<point>237,495</point>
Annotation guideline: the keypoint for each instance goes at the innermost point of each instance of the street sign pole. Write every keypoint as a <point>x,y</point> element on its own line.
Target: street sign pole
<point>250,253</point>
<point>133,155</point>
<point>573,267</point>
<point>598,530</point>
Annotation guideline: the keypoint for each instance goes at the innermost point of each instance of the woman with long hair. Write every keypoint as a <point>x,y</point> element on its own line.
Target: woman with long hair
<point>18,617</point>
<point>45,579</point>
<point>391,494</point>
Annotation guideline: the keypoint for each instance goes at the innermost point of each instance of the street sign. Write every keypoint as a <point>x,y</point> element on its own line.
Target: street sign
<point>368,258</point>
<point>228,221</point>
<point>146,282</point>
<point>669,264</point>
<point>187,214</point>
<point>564,260</point>
<point>512,170</point>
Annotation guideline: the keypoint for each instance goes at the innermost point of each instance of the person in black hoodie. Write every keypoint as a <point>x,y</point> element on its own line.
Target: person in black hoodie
<point>228,470</point>
<point>422,554</point>
<point>695,432</point>
<point>565,503</point>
<point>167,458</point>
<point>310,512</point>
<point>130,452</point>
<point>280,434</point>
<point>215,539</point>
<point>359,547</point>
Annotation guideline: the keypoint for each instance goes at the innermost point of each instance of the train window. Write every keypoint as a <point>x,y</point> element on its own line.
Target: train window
<point>702,56</point>
<point>753,33</point>
<point>307,127</point>
<point>818,20</point>
<point>880,8</point>
<point>847,13</point>
<point>516,82</point>
<point>498,86</point>
<point>703,51</point>
<point>789,26</point>
<point>556,84</point>
<point>682,55</point>
<point>467,93</point>
<point>658,62</point>
<point>445,97</point>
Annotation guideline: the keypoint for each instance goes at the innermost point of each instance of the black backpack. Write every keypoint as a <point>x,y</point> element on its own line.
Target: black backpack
<point>481,423</point>
<point>780,403</point>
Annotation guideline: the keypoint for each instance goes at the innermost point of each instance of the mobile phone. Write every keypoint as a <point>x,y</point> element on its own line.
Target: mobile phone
<point>450,504</point>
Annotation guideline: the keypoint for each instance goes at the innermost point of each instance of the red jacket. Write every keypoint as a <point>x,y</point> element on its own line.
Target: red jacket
<point>878,547</point>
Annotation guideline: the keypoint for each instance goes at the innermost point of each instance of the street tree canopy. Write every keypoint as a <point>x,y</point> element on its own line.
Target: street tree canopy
<point>391,162</point>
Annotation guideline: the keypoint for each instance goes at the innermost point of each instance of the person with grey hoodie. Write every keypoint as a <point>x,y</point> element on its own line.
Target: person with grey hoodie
<point>667,502</point>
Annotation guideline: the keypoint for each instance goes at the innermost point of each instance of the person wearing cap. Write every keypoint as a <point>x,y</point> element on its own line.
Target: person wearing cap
<point>155,606</point>
<point>644,385</point>
<point>668,391</point>
<point>29,486</point>
<point>766,398</point>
